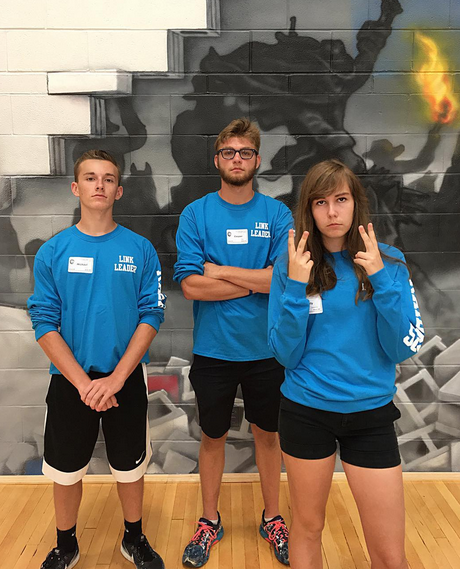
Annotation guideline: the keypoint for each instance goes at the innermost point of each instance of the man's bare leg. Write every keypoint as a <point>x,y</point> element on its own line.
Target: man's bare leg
<point>268,459</point>
<point>212,463</point>
<point>67,501</point>
<point>131,496</point>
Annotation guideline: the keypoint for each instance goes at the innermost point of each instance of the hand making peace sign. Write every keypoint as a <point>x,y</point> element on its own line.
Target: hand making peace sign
<point>370,259</point>
<point>300,263</point>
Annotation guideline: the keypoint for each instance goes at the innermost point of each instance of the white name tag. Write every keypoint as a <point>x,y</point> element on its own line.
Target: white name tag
<point>237,236</point>
<point>316,304</point>
<point>81,265</point>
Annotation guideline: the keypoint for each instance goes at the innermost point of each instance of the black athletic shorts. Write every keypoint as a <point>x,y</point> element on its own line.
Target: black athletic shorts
<point>366,438</point>
<point>71,430</point>
<point>216,382</point>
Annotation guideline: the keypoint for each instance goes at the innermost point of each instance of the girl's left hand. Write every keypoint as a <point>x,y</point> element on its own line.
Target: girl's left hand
<point>370,259</point>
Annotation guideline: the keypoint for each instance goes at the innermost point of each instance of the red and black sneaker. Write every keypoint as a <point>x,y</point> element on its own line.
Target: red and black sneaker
<point>197,552</point>
<point>277,534</point>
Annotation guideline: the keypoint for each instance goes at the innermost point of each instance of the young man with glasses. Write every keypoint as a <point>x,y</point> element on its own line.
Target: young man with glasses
<point>227,243</point>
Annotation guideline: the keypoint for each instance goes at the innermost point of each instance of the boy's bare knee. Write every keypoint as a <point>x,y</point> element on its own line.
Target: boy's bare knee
<point>213,444</point>
<point>388,559</point>
<point>265,438</point>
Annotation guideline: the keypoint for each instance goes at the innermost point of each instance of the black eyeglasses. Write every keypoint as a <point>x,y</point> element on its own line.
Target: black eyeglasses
<point>245,153</point>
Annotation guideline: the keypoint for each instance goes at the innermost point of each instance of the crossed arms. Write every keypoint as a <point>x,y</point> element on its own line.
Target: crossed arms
<point>226,282</point>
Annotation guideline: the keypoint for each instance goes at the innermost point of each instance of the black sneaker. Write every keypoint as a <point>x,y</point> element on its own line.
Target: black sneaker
<point>197,552</point>
<point>57,559</point>
<point>277,534</point>
<point>141,554</point>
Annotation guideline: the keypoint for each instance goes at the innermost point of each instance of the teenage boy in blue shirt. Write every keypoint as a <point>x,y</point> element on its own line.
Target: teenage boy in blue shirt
<point>97,306</point>
<point>227,243</point>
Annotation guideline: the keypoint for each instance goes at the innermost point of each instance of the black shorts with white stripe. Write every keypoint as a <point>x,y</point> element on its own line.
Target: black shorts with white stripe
<point>71,430</point>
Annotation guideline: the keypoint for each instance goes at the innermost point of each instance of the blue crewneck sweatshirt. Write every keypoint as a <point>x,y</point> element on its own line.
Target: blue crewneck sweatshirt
<point>341,356</point>
<point>251,236</point>
<point>95,291</point>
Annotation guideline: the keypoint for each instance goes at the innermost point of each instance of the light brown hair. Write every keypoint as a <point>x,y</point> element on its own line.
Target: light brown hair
<point>239,128</point>
<point>322,180</point>
<point>96,155</point>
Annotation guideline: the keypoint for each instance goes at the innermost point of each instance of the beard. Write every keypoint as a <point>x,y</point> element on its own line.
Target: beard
<point>238,179</point>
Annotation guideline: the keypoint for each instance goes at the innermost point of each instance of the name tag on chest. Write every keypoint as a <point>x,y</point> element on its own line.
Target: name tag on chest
<point>81,265</point>
<point>316,304</point>
<point>237,236</point>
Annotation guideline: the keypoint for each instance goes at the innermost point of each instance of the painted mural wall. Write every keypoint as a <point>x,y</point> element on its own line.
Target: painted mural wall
<point>154,83</point>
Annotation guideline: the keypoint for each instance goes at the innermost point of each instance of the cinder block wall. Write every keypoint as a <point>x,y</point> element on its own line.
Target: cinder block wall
<point>154,83</point>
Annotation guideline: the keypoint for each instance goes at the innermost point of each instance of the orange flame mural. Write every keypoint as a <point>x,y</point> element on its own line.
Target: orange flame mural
<point>433,79</point>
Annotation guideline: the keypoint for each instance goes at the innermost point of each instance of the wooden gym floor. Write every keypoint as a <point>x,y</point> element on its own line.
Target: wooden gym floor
<point>172,506</point>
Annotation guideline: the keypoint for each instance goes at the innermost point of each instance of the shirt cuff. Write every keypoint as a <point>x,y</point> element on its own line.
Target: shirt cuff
<point>296,289</point>
<point>42,329</point>
<point>381,280</point>
<point>179,277</point>
<point>153,320</point>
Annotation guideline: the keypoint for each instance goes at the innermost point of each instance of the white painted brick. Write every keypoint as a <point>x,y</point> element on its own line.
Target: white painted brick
<point>23,387</point>
<point>30,355</point>
<point>130,51</point>
<point>14,319</point>
<point>9,347</point>
<point>3,52</point>
<point>23,83</point>
<point>23,14</point>
<point>119,14</point>
<point>47,50</point>
<point>106,82</point>
<point>24,155</point>
<point>6,122</point>
<point>177,14</point>
<point>11,424</point>
<point>48,114</point>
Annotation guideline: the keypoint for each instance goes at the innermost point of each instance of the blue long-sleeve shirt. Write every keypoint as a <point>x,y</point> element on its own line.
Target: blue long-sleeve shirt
<point>342,358</point>
<point>95,291</point>
<point>251,236</point>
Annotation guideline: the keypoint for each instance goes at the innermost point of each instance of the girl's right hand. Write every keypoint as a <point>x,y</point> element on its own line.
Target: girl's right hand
<point>300,263</point>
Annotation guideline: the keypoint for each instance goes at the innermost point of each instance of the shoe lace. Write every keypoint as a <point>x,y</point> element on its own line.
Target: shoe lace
<point>204,535</point>
<point>143,549</point>
<point>278,532</point>
<point>54,554</point>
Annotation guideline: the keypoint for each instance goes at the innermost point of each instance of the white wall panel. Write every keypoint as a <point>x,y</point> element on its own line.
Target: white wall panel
<point>3,52</point>
<point>9,349</point>
<point>23,13</point>
<point>110,82</point>
<point>119,14</point>
<point>24,155</point>
<point>50,114</point>
<point>30,355</point>
<point>130,51</point>
<point>23,83</point>
<point>6,122</point>
<point>47,50</point>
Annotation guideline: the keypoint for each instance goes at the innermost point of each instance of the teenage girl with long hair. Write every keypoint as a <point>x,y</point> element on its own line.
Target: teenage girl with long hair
<point>342,314</point>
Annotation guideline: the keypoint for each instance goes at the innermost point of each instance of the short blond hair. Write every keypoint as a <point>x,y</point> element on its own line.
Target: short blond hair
<point>95,155</point>
<point>239,128</point>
